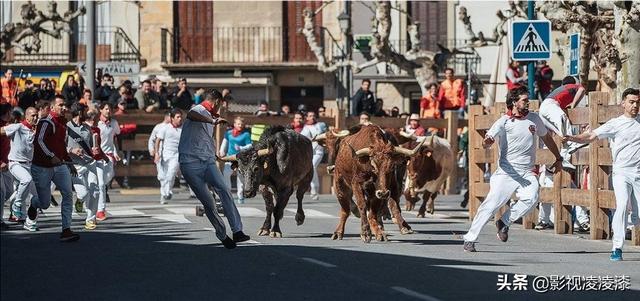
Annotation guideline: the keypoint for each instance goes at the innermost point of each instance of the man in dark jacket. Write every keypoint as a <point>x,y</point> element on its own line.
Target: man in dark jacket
<point>106,89</point>
<point>29,96</point>
<point>181,97</point>
<point>363,100</point>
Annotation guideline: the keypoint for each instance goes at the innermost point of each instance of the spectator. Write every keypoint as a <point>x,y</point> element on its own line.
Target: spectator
<point>452,92</point>
<point>235,139</point>
<point>298,123</point>
<point>263,110</point>
<point>115,97</point>
<point>197,97</point>
<point>379,111</point>
<point>9,89</point>
<point>29,96</point>
<point>413,126</point>
<point>53,86</point>
<point>285,110</point>
<point>514,79</point>
<point>430,103</point>
<point>163,94</point>
<point>365,118</point>
<point>106,89</point>
<point>395,112</point>
<point>544,75</point>
<point>87,99</point>
<point>181,97</point>
<point>313,128</point>
<point>71,91</point>
<point>146,98</point>
<point>363,100</point>
<point>322,111</point>
<point>44,92</point>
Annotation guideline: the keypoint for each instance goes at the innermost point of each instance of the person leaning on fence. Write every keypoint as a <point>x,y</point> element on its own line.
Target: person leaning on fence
<point>146,98</point>
<point>515,131</point>
<point>624,131</point>
<point>181,97</point>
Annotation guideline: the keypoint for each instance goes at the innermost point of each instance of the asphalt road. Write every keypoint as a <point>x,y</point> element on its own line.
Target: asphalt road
<point>148,251</point>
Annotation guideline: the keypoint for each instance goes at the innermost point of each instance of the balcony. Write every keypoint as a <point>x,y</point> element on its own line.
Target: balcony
<point>112,44</point>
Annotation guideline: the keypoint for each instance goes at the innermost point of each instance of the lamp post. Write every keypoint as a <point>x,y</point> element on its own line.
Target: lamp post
<point>344,21</point>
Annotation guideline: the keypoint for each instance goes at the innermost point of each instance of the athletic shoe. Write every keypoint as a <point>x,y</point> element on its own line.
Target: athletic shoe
<point>616,255</point>
<point>169,197</point>
<point>503,231</point>
<point>16,219</point>
<point>566,160</point>
<point>241,201</point>
<point>228,243</point>
<point>543,226</point>
<point>469,246</point>
<point>240,236</point>
<point>89,225</point>
<point>163,200</point>
<point>584,227</point>
<point>315,197</point>
<point>79,206</point>
<point>101,215</point>
<point>30,225</point>
<point>68,236</point>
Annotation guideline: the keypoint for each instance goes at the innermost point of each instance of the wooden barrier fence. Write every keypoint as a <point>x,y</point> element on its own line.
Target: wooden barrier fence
<point>597,157</point>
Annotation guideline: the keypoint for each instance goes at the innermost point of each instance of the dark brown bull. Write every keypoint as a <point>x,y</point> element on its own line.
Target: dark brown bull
<point>365,169</point>
<point>427,172</point>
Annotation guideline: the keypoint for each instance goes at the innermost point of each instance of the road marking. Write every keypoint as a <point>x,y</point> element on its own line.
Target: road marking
<point>125,212</point>
<point>318,262</point>
<point>414,294</point>
<point>183,210</point>
<point>176,218</point>
<point>251,212</point>
<point>312,213</point>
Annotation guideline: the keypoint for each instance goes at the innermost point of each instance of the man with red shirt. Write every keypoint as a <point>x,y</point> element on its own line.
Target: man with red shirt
<point>51,163</point>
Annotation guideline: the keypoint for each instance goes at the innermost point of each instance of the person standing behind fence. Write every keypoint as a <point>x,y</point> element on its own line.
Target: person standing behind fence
<point>515,79</point>
<point>544,75</point>
<point>181,97</point>
<point>625,150</point>
<point>167,156</point>
<point>363,100</point>
<point>9,89</point>
<point>452,93</point>
<point>71,91</point>
<point>516,133</point>
<point>109,128</point>
<point>235,139</point>
<point>298,122</point>
<point>311,129</point>
<point>146,98</point>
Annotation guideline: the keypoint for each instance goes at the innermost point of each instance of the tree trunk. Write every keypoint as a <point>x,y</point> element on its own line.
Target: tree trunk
<point>629,44</point>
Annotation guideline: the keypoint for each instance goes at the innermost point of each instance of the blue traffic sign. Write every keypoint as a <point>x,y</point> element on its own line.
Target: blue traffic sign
<point>574,54</point>
<point>531,40</point>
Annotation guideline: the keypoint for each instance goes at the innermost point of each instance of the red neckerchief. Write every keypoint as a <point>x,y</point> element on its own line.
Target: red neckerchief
<point>511,116</point>
<point>105,120</point>
<point>28,125</point>
<point>297,128</point>
<point>175,127</point>
<point>208,106</point>
<point>236,133</point>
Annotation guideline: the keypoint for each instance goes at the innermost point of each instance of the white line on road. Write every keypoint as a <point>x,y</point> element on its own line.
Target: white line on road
<point>311,213</point>
<point>414,294</point>
<point>318,262</point>
<point>251,212</point>
<point>176,218</point>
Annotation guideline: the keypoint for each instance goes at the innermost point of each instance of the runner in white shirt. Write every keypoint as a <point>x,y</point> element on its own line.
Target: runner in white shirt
<point>109,128</point>
<point>152,142</point>
<point>311,129</point>
<point>21,136</point>
<point>624,131</point>
<point>166,154</point>
<point>516,133</point>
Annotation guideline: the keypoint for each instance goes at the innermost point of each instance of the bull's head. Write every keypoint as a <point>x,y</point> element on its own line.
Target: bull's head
<point>330,140</point>
<point>251,164</point>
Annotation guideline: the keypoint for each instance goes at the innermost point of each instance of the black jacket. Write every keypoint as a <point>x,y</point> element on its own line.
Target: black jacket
<point>28,98</point>
<point>183,102</point>
<point>363,102</point>
<point>104,92</point>
<point>71,94</point>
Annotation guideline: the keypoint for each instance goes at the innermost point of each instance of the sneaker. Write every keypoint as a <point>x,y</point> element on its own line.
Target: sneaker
<point>584,227</point>
<point>89,225</point>
<point>163,200</point>
<point>30,225</point>
<point>469,246</point>
<point>543,226</point>
<point>79,206</point>
<point>616,255</point>
<point>315,197</point>
<point>240,236</point>
<point>101,215</point>
<point>566,160</point>
<point>169,197</point>
<point>16,219</point>
<point>68,236</point>
<point>228,243</point>
<point>503,231</point>
<point>241,201</point>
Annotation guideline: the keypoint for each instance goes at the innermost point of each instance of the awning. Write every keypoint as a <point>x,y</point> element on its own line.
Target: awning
<point>230,81</point>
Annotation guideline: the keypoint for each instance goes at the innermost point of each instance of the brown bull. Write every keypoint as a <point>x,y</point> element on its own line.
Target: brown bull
<point>365,169</point>
<point>427,172</point>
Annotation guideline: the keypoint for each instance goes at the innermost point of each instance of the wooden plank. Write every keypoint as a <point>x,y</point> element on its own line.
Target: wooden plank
<point>581,157</point>
<point>484,122</point>
<point>483,155</point>
<point>137,169</point>
<point>579,116</point>
<point>481,189</point>
<point>607,113</point>
<point>604,155</point>
<point>607,199</point>
<point>546,195</point>
<point>599,219</point>
<point>573,196</point>
<point>451,186</point>
<point>140,143</point>
<point>475,172</point>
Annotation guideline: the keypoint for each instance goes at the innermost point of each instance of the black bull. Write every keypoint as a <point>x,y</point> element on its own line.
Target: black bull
<point>279,163</point>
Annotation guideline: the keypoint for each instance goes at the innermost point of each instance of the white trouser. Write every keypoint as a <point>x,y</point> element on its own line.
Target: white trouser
<point>556,120</point>
<point>105,174</point>
<point>160,171</point>
<point>626,187</point>
<point>169,166</point>
<point>502,186</point>
<point>22,174</point>
<point>86,187</point>
<point>6,189</point>
<point>545,213</point>
<point>315,182</point>
<point>226,173</point>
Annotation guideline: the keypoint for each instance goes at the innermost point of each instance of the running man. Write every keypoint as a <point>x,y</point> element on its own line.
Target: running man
<point>109,128</point>
<point>516,133</point>
<point>624,131</point>
<point>198,166</point>
<point>166,156</point>
<point>311,129</point>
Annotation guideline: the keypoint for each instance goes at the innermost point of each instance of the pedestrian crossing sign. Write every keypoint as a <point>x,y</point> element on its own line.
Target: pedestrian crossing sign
<point>531,40</point>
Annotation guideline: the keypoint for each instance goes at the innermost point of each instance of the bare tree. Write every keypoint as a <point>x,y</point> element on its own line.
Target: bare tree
<point>515,10</point>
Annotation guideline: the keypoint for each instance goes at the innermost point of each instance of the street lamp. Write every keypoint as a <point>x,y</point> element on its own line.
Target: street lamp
<point>344,21</point>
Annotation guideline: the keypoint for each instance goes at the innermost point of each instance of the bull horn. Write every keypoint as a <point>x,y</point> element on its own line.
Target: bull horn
<point>264,152</point>
<point>319,137</point>
<point>407,135</point>
<point>407,152</point>
<point>363,152</point>
<point>231,158</point>
<point>342,133</point>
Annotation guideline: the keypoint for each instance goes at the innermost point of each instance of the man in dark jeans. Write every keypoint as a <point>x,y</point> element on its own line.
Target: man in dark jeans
<point>363,100</point>
<point>181,97</point>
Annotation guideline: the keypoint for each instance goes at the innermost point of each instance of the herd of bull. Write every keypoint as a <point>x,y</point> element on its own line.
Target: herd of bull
<point>368,163</point>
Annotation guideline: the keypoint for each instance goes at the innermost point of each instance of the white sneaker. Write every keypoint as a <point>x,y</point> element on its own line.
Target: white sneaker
<point>31,225</point>
<point>566,159</point>
<point>163,201</point>
<point>315,197</point>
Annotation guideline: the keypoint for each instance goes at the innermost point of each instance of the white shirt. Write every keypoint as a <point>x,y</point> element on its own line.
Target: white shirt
<point>154,134</point>
<point>625,147</point>
<point>196,140</point>
<point>170,137</point>
<point>21,142</point>
<point>517,149</point>
<point>107,134</point>
<point>312,130</point>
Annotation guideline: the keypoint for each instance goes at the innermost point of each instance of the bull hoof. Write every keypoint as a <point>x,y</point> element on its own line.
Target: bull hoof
<point>337,235</point>
<point>366,237</point>
<point>276,234</point>
<point>382,237</point>
<point>299,219</point>
<point>394,220</point>
<point>407,207</point>
<point>405,231</point>
<point>263,232</point>
<point>431,210</point>
<point>420,214</point>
